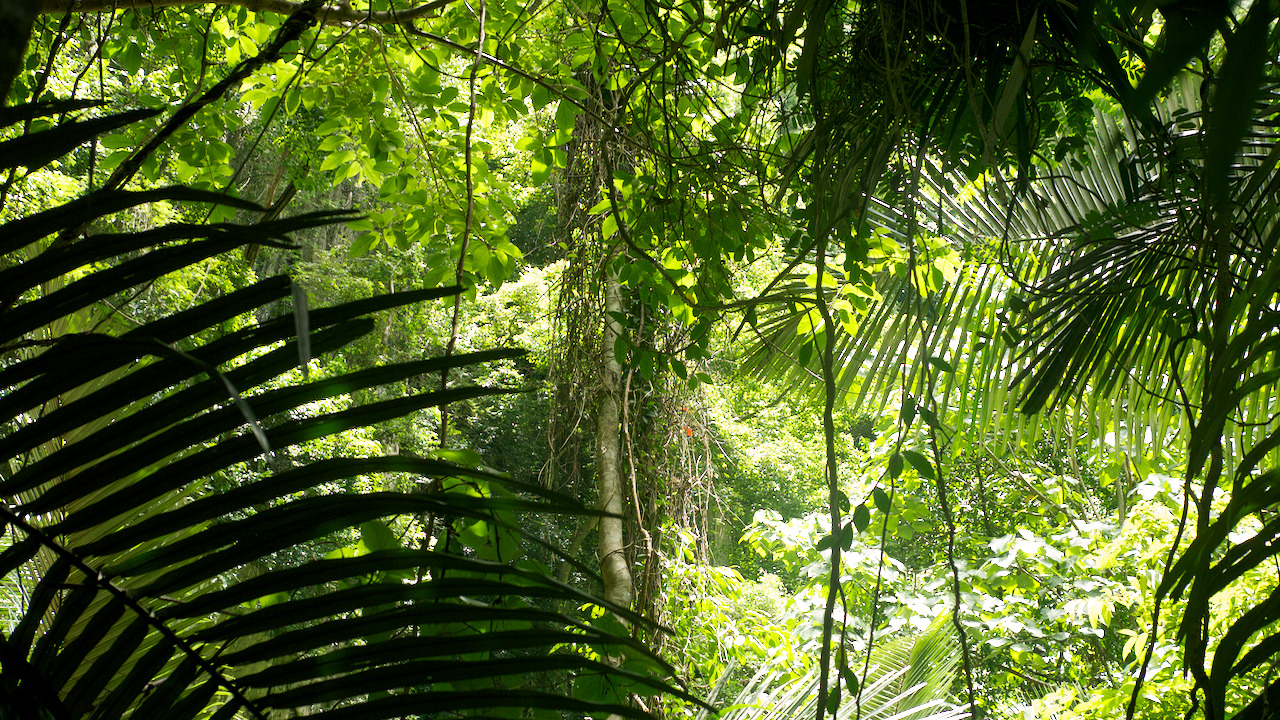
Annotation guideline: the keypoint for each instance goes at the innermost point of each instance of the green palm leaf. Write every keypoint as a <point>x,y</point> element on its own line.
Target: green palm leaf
<point>1088,303</point>
<point>907,678</point>
<point>156,587</point>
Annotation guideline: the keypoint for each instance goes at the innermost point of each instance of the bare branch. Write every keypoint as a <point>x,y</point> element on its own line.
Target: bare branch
<point>340,14</point>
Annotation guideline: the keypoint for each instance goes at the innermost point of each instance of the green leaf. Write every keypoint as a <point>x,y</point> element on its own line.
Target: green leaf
<point>941,364</point>
<point>805,354</point>
<point>908,412</point>
<point>861,517</point>
<point>643,361</point>
<point>566,116</point>
<point>363,244</point>
<point>375,535</point>
<point>131,59</point>
<point>679,369</point>
<point>336,160</point>
<point>273,599</point>
<point>331,143</point>
<point>895,465</point>
<point>850,678</point>
<point>539,170</point>
<point>461,456</point>
<point>881,499</point>
<point>920,463</point>
<point>115,142</point>
<point>540,96</point>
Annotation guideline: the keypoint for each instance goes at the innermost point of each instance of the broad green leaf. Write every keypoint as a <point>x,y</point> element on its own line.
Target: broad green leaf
<point>363,244</point>
<point>861,517</point>
<point>131,59</point>
<point>881,499</point>
<point>375,535</point>
<point>895,465</point>
<point>920,463</point>
<point>566,115</point>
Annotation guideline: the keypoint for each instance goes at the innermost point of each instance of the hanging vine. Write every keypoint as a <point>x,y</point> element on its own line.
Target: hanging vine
<point>659,464</point>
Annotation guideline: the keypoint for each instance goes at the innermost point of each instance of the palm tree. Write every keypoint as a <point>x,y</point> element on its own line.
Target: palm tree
<point>1128,276</point>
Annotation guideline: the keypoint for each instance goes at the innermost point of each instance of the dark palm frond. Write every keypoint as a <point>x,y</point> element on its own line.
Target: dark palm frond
<point>982,83</point>
<point>1136,283</point>
<point>1086,290</point>
<point>911,110</point>
<point>35,150</point>
<point>1235,442</point>
<point>1143,301</point>
<point>1157,284</point>
<point>160,575</point>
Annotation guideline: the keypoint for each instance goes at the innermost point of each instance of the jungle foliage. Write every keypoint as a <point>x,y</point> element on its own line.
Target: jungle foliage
<point>950,325</point>
<point>164,558</point>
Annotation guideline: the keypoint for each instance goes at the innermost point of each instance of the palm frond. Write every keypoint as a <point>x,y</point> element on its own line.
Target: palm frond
<point>1082,294</point>
<point>908,678</point>
<point>158,575</point>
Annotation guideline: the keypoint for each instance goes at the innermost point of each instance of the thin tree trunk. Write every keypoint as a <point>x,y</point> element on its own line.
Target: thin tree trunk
<point>16,20</point>
<point>613,560</point>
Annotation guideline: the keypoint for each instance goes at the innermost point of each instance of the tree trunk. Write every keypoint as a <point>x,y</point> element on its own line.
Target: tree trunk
<point>613,560</point>
<point>16,20</point>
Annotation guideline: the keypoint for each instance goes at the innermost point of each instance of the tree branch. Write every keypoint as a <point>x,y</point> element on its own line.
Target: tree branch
<point>340,14</point>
